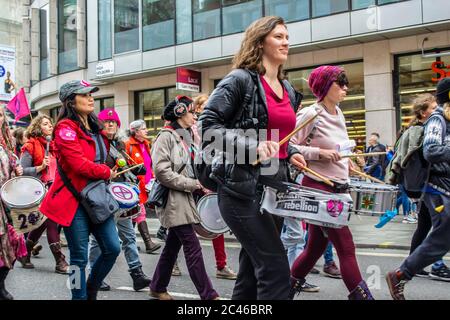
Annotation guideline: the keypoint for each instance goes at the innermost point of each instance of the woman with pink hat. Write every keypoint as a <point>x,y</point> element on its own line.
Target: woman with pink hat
<point>317,143</point>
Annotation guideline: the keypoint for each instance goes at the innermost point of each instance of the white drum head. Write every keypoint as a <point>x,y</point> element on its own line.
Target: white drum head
<point>125,194</point>
<point>22,192</point>
<point>211,220</point>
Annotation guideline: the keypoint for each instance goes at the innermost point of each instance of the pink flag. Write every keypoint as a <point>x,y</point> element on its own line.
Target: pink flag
<point>19,105</point>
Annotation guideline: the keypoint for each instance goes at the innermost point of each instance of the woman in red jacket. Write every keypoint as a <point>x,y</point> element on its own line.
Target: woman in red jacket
<point>80,144</point>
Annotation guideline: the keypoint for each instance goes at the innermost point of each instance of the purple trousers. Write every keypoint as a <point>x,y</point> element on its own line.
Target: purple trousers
<point>176,238</point>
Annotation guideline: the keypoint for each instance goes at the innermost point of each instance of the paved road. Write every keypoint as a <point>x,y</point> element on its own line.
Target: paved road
<point>43,284</point>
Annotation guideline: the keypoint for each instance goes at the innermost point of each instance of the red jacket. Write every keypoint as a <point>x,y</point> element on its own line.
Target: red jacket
<point>133,149</point>
<point>76,155</point>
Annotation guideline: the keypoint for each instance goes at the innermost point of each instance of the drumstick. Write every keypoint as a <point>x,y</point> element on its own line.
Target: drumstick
<point>327,181</point>
<point>290,135</point>
<point>131,168</point>
<point>366,176</point>
<point>354,155</point>
<point>126,154</point>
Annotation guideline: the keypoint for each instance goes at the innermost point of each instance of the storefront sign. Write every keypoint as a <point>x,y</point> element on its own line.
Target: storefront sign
<point>8,85</point>
<point>104,69</point>
<point>188,80</point>
<point>439,68</point>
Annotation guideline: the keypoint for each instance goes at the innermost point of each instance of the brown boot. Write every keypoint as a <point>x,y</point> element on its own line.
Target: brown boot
<point>62,266</point>
<point>26,261</point>
<point>150,246</point>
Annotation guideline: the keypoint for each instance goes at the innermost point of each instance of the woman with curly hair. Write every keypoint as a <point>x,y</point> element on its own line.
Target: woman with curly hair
<point>12,245</point>
<point>38,160</point>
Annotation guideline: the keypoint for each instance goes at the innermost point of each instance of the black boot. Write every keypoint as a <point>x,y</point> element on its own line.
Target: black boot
<point>150,246</point>
<point>26,261</point>
<point>4,295</point>
<point>296,287</point>
<point>140,280</point>
<point>91,291</point>
<point>361,292</point>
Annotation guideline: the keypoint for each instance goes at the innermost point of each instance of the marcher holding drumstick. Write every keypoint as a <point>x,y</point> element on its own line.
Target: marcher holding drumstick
<point>173,154</point>
<point>39,160</point>
<point>12,245</point>
<point>270,102</point>
<point>318,144</point>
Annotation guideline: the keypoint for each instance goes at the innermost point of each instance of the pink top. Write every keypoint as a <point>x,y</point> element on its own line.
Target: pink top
<point>147,163</point>
<point>330,131</point>
<point>281,116</point>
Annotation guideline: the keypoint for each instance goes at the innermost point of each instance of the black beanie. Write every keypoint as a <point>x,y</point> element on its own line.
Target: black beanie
<point>170,114</point>
<point>442,91</point>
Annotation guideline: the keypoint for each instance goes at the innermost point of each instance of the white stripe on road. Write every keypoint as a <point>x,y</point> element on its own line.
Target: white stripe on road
<point>174,294</point>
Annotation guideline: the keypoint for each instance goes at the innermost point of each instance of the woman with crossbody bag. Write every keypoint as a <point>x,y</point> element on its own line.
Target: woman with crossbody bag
<point>81,149</point>
<point>172,150</point>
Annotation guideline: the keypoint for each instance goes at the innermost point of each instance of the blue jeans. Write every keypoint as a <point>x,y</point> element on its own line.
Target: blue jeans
<point>402,199</point>
<point>128,239</point>
<point>293,238</point>
<point>77,235</point>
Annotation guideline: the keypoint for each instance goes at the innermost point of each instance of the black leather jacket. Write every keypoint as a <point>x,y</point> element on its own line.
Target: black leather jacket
<point>239,102</point>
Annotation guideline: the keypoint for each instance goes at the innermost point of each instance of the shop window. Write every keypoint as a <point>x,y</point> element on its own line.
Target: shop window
<point>327,7</point>
<point>103,103</point>
<point>237,15</point>
<point>158,21</point>
<point>388,1</point>
<point>126,26</point>
<point>416,75</point>
<point>289,10</point>
<point>67,35</point>
<point>353,106</point>
<point>104,29</point>
<point>206,19</point>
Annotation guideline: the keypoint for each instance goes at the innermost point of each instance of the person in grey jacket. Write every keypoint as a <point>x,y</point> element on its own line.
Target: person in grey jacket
<point>436,149</point>
<point>172,156</point>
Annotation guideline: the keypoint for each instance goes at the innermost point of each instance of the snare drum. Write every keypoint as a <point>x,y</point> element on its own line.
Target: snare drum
<point>317,207</point>
<point>211,223</point>
<point>127,195</point>
<point>23,195</point>
<point>373,198</point>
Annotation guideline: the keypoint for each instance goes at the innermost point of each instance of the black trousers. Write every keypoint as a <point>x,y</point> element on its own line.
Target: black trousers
<point>263,265</point>
<point>423,227</point>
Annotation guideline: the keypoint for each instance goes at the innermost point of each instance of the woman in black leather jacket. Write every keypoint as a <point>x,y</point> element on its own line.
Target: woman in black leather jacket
<point>254,97</point>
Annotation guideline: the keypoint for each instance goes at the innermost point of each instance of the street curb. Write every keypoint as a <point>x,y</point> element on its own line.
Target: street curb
<point>357,245</point>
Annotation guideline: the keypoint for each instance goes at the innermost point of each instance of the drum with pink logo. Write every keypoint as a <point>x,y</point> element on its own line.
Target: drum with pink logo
<point>314,206</point>
<point>127,195</point>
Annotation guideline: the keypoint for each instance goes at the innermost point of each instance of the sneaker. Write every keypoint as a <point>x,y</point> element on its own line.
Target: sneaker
<point>396,284</point>
<point>331,270</point>
<point>422,274</point>
<point>162,234</point>
<point>314,271</point>
<point>307,287</point>
<point>104,287</point>
<point>176,270</point>
<point>410,219</point>
<point>443,273</point>
<point>226,273</point>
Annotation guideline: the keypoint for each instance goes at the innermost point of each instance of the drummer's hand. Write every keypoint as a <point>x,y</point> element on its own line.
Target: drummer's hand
<point>298,161</point>
<point>45,162</point>
<point>113,175</point>
<point>19,170</point>
<point>330,155</point>
<point>267,150</point>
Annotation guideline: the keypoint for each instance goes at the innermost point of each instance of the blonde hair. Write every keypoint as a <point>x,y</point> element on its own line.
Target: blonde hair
<point>34,130</point>
<point>250,54</point>
<point>199,101</point>
<point>420,103</point>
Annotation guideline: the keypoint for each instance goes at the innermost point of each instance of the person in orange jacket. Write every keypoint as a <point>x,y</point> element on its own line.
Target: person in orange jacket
<point>138,148</point>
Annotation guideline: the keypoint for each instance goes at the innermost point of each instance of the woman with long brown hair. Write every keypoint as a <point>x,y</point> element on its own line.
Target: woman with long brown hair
<point>39,160</point>
<point>256,98</point>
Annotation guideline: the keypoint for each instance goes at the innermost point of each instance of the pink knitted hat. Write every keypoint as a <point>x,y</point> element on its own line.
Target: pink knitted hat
<point>321,79</point>
<point>109,114</point>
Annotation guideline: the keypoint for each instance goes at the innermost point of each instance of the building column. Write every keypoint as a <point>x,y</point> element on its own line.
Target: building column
<point>81,33</point>
<point>378,87</point>
<point>124,103</point>
<point>26,36</point>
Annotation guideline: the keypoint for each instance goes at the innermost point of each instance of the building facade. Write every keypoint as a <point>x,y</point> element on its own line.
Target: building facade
<point>132,48</point>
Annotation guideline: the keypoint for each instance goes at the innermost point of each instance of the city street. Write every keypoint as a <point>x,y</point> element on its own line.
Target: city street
<point>43,284</point>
